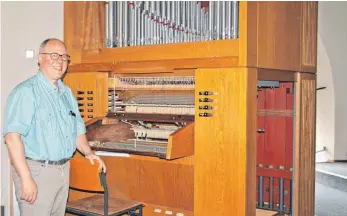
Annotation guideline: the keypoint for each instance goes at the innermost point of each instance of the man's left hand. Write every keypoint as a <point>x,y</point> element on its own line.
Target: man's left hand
<point>91,157</point>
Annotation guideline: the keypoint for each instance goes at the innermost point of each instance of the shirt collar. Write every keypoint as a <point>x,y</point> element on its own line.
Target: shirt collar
<point>49,85</point>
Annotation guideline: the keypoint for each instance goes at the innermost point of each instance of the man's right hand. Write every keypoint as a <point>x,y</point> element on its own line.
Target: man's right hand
<point>29,190</point>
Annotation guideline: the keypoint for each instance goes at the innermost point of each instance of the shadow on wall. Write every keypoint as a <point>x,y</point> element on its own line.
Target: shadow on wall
<point>325,120</point>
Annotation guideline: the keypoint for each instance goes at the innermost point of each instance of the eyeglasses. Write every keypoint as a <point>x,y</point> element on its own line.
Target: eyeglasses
<point>55,56</point>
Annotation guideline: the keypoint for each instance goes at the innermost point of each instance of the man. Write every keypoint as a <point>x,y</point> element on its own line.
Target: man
<point>42,128</point>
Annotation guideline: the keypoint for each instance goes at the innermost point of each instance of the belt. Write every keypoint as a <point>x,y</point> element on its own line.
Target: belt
<point>59,162</point>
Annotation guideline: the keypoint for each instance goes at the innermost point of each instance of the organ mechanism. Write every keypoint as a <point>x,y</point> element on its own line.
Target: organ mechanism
<point>152,108</point>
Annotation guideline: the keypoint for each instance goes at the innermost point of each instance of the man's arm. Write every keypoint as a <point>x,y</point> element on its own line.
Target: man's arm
<point>19,112</point>
<point>83,146</point>
<point>17,156</point>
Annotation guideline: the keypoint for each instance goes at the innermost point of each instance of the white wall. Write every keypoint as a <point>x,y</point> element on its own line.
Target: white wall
<point>24,26</point>
<point>325,130</point>
<point>332,72</point>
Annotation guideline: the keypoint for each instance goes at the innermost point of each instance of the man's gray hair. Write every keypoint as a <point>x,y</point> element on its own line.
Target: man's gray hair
<point>45,42</point>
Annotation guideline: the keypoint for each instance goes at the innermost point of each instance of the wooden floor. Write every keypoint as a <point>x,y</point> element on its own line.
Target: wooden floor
<point>261,212</point>
<point>258,211</point>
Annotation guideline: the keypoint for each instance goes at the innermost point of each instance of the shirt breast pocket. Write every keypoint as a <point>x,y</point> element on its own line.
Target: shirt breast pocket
<point>47,122</point>
<point>73,123</point>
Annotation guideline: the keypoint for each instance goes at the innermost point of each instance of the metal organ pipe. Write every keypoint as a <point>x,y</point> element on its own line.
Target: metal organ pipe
<point>110,25</point>
<point>119,20</point>
<point>137,23</point>
<point>126,23</point>
<point>235,19</point>
<point>228,19</point>
<point>107,33</point>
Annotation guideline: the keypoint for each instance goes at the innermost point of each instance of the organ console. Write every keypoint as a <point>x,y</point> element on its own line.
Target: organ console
<point>207,107</point>
<point>156,112</point>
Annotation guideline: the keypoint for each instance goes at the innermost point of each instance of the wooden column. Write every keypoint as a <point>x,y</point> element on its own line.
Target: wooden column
<point>225,143</point>
<point>304,173</point>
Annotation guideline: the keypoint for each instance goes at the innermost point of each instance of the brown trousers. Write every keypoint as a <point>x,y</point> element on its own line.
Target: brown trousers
<point>53,187</point>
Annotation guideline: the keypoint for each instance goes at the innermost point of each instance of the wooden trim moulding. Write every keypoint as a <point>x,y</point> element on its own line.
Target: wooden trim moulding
<point>189,50</point>
<point>277,75</point>
<point>155,66</point>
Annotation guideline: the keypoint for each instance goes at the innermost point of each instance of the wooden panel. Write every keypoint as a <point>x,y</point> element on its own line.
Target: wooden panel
<point>90,81</point>
<point>155,66</point>
<point>304,174</point>
<point>83,27</point>
<point>279,35</point>
<point>225,144</point>
<point>251,139</point>
<point>270,147</point>
<point>277,75</point>
<point>196,50</point>
<point>101,94</point>
<point>290,127</point>
<point>73,29</point>
<point>248,46</point>
<point>151,180</point>
<point>75,194</point>
<point>261,126</point>
<point>181,143</point>
<point>84,175</point>
<point>309,36</point>
<point>273,148</point>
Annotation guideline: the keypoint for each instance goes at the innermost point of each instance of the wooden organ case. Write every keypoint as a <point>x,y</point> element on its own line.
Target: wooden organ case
<point>212,122</point>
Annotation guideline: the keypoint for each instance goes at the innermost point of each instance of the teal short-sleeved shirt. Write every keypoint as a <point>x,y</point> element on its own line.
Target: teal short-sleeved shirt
<point>47,118</point>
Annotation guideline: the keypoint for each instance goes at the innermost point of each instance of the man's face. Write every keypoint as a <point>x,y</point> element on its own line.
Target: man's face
<point>51,64</point>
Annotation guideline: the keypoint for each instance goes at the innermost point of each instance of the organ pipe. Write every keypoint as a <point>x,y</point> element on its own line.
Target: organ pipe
<point>136,23</point>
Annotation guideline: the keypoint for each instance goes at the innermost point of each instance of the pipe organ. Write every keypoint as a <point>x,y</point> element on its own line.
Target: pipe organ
<point>208,106</point>
<point>138,23</point>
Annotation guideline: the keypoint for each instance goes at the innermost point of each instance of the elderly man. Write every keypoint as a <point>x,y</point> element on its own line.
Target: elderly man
<point>42,128</point>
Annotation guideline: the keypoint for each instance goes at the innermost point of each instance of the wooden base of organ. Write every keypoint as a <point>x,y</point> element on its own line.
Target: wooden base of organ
<point>224,155</point>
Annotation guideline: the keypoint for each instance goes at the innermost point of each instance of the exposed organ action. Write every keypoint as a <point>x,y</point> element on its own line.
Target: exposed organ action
<point>146,111</point>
